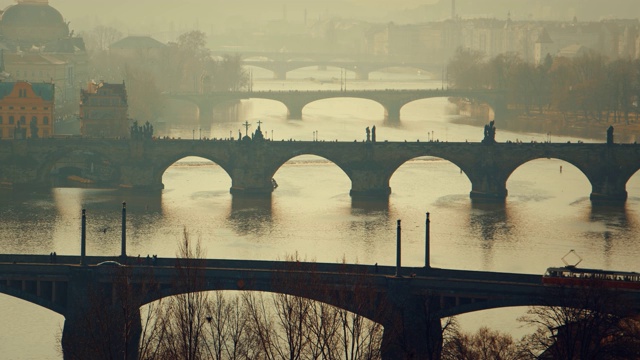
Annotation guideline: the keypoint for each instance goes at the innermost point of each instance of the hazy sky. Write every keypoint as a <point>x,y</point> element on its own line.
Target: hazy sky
<point>154,17</point>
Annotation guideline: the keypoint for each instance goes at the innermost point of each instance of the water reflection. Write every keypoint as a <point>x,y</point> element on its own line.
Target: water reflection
<point>612,226</point>
<point>251,215</point>
<point>489,221</point>
<point>370,206</point>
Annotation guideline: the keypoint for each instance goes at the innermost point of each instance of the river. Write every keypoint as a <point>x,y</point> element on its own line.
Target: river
<point>546,214</point>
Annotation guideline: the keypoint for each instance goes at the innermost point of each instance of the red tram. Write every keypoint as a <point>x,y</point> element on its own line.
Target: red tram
<point>573,276</point>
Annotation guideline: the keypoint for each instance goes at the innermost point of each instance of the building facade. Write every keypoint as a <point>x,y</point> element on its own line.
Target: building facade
<point>37,46</point>
<point>104,111</point>
<point>26,110</point>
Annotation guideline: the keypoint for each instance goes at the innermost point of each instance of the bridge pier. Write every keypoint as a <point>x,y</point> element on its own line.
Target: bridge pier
<point>99,323</point>
<point>362,74</point>
<point>609,178</point>
<point>392,114</point>
<point>280,75</point>
<point>294,111</point>
<point>412,329</point>
<point>368,182</point>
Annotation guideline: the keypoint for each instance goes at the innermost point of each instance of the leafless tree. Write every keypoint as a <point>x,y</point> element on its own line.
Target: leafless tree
<point>589,322</point>
<point>485,344</point>
<point>185,314</point>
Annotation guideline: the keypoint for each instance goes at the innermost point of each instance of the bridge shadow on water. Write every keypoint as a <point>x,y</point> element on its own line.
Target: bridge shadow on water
<point>617,226</point>
<point>251,214</point>
<point>490,220</point>
<point>369,206</point>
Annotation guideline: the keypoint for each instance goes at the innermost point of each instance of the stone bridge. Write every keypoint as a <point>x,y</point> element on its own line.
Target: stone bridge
<point>391,100</point>
<point>251,165</point>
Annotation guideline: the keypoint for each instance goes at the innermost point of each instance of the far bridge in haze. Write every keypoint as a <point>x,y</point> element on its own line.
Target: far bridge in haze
<point>280,63</point>
<point>391,100</point>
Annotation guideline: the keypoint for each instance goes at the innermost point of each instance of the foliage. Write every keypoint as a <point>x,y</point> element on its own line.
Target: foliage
<point>588,87</point>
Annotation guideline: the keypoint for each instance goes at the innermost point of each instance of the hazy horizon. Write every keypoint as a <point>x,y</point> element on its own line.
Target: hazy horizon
<point>151,17</point>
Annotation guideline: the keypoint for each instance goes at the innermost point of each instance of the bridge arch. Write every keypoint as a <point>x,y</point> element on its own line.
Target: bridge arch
<point>555,171</point>
<point>162,168</point>
<point>422,167</point>
<point>32,297</point>
<point>367,109</point>
<point>311,156</point>
<point>97,166</point>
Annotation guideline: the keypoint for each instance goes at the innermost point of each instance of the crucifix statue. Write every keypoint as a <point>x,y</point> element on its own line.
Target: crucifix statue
<point>246,125</point>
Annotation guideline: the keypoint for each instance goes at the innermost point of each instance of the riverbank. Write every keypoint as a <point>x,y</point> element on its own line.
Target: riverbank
<point>554,123</point>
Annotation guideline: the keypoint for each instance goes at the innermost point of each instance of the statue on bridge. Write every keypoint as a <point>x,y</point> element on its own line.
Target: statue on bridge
<point>258,136</point>
<point>141,132</point>
<point>610,135</point>
<point>489,133</point>
<point>368,134</point>
<point>373,133</point>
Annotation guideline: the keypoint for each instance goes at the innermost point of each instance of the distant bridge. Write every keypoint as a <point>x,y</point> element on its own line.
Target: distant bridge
<point>391,100</point>
<point>251,165</point>
<point>361,64</point>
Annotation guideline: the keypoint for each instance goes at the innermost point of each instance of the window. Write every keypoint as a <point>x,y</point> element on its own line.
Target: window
<point>11,120</point>
<point>10,107</point>
<point>45,120</point>
<point>23,120</point>
<point>34,108</point>
<point>22,108</point>
<point>34,119</point>
<point>0,119</point>
<point>46,108</point>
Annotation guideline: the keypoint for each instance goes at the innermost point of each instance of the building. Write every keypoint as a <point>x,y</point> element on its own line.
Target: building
<point>103,111</point>
<point>26,110</point>
<point>37,46</point>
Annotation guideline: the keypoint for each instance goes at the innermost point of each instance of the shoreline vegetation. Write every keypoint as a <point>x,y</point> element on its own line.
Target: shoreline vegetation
<point>549,122</point>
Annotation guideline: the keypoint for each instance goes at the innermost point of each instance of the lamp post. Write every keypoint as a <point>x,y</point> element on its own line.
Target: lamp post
<point>193,133</point>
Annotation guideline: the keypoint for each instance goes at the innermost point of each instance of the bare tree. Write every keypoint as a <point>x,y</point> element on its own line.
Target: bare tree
<point>590,322</point>
<point>485,344</point>
<point>185,315</point>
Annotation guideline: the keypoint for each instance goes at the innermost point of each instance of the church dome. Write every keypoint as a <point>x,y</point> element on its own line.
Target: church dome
<point>33,22</point>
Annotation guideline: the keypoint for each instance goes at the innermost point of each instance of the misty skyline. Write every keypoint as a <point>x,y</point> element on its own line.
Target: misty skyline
<point>161,19</point>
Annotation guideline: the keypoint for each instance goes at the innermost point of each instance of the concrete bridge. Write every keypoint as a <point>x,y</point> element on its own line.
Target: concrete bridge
<point>409,306</point>
<point>408,302</point>
<point>391,100</point>
<point>251,165</point>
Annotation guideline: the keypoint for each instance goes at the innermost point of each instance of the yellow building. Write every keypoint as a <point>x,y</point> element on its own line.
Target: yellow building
<point>26,110</point>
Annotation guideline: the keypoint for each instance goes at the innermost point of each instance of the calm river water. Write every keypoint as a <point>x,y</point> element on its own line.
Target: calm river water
<point>547,213</point>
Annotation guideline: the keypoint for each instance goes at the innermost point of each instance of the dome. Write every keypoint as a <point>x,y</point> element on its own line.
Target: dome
<point>33,22</point>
